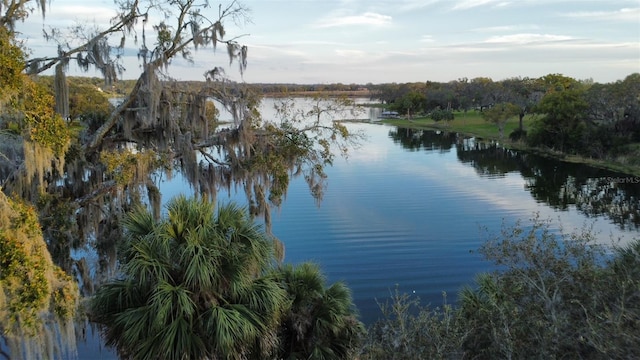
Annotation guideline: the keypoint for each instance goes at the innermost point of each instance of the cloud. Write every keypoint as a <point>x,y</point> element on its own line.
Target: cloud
<point>412,5</point>
<point>469,4</point>
<point>269,51</point>
<point>521,39</point>
<point>427,39</point>
<point>368,18</point>
<point>625,14</point>
<point>504,28</point>
<point>351,53</point>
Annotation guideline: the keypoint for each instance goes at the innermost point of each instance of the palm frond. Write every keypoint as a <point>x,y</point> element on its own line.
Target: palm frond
<point>148,260</point>
<point>201,267</point>
<point>170,302</point>
<point>139,222</point>
<point>230,328</point>
<point>194,286</point>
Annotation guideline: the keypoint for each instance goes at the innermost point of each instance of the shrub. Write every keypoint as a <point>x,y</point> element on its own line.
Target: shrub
<point>554,295</point>
<point>518,134</point>
<point>439,114</point>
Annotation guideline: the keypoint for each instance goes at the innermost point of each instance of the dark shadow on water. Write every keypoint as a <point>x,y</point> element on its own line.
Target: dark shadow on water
<point>592,191</point>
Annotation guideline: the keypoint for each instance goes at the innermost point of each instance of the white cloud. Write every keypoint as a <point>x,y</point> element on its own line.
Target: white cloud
<point>351,53</point>
<point>368,18</point>
<point>625,14</point>
<point>468,4</point>
<point>522,39</point>
<point>503,28</point>
<point>427,39</point>
<point>411,5</point>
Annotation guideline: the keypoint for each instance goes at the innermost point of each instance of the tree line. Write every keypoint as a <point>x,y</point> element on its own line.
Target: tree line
<point>578,117</point>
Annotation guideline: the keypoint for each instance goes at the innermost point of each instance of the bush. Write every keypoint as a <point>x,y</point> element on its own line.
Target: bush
<point>438,115</point>
<point>555,295</point>
<point>518,134</point>
<point>410,331</point>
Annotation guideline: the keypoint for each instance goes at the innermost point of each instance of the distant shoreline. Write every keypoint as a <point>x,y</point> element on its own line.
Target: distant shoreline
<point>465,127</point>
<point>311,93</point>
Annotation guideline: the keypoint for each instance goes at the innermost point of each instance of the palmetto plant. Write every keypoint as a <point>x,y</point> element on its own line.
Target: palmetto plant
<point>193,285</point>
<point>321,322</point>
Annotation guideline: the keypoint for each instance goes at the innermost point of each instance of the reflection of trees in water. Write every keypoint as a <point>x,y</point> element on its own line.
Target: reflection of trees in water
<point>428,140</point>
<point>487,158</point>
<point>592,191</point>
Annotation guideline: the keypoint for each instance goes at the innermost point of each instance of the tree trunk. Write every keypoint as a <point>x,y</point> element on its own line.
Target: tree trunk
<point>520,119</point>
<point>115,115</point>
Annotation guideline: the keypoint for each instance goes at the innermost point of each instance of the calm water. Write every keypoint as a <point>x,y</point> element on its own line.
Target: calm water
<point>406,209</point>
<point>393,216</point>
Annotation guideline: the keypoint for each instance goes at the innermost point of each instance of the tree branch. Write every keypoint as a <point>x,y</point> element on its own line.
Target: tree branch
<point>125,21</point>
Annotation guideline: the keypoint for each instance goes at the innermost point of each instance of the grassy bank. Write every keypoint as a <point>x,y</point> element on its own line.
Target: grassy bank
<point>473,124</point>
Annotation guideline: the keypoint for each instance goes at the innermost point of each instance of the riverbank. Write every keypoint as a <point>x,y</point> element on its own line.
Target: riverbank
<point>473,124</point>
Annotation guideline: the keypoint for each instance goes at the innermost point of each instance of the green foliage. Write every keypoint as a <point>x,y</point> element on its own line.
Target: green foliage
<point>410,103</point>
<point>201,284</point>
<point>34,293</point>
<point>320,322</point>
<point>32,112</point>
<point>555,295</point>
<point>440,115</point>
<point>562,124</point>
<point>552,300</point>
<point>87,101</point>
<point>127,166</point>
<point>517,134</point>
<point>500,113</point>
<point>409,330</point>
<point>192,286</point>
<point>12,64</point>
<point>23,260</point>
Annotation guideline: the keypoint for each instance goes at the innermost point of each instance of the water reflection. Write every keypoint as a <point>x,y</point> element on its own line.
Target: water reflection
<point>560,185</point>
<point>416,140</point>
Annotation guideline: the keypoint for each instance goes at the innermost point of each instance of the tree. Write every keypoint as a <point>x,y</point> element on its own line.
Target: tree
<point>410,102</point>
<point>557,295</point>
<point>37,299</point>
<point>562,124</point>
<point>193,285</point>
<point>321,322</point>
<point>169,119</point>
<point>525,93</point>
<point>203,284</point>
<point>106,164</point>
<point>12,62</point>
<point>499,114</point>
<point>483,92</point>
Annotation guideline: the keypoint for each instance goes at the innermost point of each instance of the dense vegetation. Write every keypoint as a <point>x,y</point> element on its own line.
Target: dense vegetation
<point>83,163</point>
<point>592,120</point>
<point>38,299</point>
<point>76,172</point>
<point>206,284</point>
<point>555,296</point>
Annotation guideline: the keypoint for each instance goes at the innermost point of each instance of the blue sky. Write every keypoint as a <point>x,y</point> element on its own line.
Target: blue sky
<point>381,41</point>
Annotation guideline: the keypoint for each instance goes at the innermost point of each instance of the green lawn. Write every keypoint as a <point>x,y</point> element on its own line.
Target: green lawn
<point>471,123</point>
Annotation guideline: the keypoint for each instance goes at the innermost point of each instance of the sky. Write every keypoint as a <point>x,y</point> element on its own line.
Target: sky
<point>387,41</point>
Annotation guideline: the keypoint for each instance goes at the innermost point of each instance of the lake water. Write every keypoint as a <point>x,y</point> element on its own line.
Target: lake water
<point>412,218</point>
<point>406,209</point>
